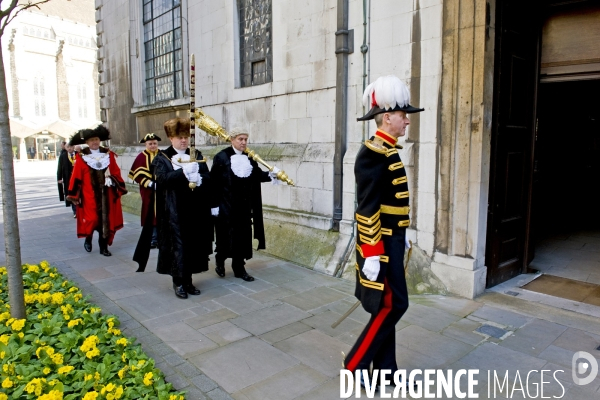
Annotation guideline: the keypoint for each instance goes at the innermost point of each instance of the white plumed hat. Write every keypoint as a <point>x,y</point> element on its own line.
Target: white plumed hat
<point>387,93</point>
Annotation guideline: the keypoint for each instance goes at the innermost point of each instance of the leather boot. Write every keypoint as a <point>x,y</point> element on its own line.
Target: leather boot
<point>87,245</point>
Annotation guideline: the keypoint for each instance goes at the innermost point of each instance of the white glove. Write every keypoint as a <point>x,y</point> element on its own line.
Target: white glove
<point>194,177</point>
<point>407,243</point>
<point>190,168</point>
<point>108,181</point>
<point>371,267</point>
<point>273,176</point>
<point>214,211</point>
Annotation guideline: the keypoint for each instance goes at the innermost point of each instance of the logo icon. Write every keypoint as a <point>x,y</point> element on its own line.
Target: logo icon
<point>580,367</point>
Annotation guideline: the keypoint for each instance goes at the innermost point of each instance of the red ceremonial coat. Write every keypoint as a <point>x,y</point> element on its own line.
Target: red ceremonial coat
<point>141,173</point>
<point>87,186</point>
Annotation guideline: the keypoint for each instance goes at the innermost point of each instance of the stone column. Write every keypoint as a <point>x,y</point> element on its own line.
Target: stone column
<point>465,128</point>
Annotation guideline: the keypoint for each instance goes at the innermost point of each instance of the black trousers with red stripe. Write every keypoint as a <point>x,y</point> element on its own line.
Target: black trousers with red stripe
<point>377,342</point>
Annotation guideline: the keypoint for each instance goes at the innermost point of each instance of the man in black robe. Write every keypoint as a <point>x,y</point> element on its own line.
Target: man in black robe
<point>66,160</point>
<point>183,218</point>
<point>237,204</point>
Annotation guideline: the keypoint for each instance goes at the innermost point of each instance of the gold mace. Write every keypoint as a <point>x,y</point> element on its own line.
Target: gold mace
<point>192,185</point>
<point>212,127</point>
<point>355,306</point>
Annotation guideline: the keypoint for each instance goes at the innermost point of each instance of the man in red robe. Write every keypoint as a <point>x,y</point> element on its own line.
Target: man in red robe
<point>96,187</point>
<point>142,172</point>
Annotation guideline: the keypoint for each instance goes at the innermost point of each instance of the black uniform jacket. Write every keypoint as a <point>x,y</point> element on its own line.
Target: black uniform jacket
<point>382,195</point>
<point>222,178</point>
<point>64,171</point>
<point>183,220</point>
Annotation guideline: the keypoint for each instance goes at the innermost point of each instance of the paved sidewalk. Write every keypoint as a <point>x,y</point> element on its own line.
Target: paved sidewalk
<point>271,338</point>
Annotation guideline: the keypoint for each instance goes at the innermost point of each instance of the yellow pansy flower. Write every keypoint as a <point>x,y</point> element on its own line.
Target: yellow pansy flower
<point>90,396</point>
<point>148,379</point>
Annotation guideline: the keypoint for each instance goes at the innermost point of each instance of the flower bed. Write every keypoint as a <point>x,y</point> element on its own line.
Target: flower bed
<point>66,349</point>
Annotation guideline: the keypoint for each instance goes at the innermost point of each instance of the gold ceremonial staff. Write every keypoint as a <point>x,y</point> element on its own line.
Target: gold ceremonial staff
<point>212,127</point>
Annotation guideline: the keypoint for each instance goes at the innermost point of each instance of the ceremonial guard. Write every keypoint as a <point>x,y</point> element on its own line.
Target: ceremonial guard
<point>96,186</point>
<point>141,172</point>
<point>185,230</point>
<point>382,217</point>
<point>66,161</point>
<point>237,204</point>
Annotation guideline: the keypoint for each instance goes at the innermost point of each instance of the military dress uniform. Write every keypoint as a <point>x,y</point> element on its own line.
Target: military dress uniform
<point>382,216</point>
<point>382,219</point>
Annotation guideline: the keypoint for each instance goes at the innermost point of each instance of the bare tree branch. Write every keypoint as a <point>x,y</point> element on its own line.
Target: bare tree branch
<point>7,18</point>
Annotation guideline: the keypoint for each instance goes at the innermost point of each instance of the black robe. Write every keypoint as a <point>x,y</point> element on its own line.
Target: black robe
<point>240,206</point>
<point>64,171</point>
<point>183,220</point>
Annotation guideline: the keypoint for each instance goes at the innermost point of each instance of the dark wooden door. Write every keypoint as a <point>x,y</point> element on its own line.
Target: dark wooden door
<point>516,71</point>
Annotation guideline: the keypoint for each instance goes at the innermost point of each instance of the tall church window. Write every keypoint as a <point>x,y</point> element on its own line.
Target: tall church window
<point>256,59</point>
<point>163,50</point>
<point>82,111</point>
<point>39,97</point>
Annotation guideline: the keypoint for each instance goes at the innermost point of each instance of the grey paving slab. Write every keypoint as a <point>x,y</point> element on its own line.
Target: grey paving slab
<point>316,350</point>
<point>503,317</point>
<point>493,357</point>
<point>243,363</point>
<point>285,332</point>
<point>314,298</point>
<point>285,385</point>
<point>437,346</point>
<point>268,319</point>
<point>277,275</point>
<point>211,318</point>
<point>272,293</point>
<point>534,337</point>
<point>224,332</point>
<point>578,340</point>
<point>322,322</point>
<point>239,303</point>
<point>463,330</point>
<point>429,318</point>
<point>455,305</point>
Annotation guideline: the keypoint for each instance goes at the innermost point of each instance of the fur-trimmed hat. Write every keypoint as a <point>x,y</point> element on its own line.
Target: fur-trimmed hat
<point>83,135</point>
<point>149,136</point>
<point>386,94</point>
<point>177,127</point>
<point>238,131</point>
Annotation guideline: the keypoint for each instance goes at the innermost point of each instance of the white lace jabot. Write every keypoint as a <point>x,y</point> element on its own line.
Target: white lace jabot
<point>240,165</point>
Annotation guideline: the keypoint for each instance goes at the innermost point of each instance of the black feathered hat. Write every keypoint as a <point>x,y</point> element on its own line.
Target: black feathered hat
<point>81,136</point>
<point>149,136</point>
<point>387,94</point>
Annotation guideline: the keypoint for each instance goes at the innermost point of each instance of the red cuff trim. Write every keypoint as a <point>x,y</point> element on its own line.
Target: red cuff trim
<point>372,250</point>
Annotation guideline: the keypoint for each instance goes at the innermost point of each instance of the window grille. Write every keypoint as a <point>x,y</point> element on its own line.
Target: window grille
<point>256,60</point>
<point>163,50</point>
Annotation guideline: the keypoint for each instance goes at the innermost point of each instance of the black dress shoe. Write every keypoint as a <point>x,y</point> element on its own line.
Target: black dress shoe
<point>180,292</point>
<point>246,277</point>
<point>220,270</point>
<point>153,245</point>
<point>105,253</point>
<point>191,289</point>
<point>87,246</point>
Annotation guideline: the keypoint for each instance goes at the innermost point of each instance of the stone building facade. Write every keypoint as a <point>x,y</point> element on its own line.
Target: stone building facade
<point>50,61</point>
<point>293,74</point>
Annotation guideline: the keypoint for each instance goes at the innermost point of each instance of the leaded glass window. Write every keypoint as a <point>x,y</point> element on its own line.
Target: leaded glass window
<point>256,60</point>
<point>82,100</point>
<point>162,47</point>
<point>39,97</point>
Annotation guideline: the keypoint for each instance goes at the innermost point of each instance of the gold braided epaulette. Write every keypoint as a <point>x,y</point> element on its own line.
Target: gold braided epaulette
<point>376,147</point>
